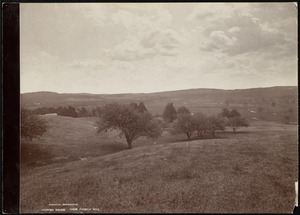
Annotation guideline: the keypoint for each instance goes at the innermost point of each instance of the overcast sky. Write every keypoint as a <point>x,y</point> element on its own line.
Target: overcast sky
<point>131,48</point>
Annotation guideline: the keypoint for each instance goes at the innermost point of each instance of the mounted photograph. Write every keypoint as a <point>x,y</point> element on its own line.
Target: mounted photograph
<point>158,107</point>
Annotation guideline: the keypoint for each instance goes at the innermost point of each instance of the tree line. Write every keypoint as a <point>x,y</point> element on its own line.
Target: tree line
<point>70,111</point>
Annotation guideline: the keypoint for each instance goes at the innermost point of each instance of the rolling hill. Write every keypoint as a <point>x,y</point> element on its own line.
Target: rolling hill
<point>273,103</point>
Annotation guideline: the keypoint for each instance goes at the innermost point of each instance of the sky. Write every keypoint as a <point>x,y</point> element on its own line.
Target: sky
<point>140,48</point>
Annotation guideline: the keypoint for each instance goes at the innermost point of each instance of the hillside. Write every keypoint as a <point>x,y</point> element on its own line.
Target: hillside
<point>252,171</point>
<point>270,104</point>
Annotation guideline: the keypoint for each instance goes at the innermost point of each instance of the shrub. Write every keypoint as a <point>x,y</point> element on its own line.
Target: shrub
<point>32,126</point>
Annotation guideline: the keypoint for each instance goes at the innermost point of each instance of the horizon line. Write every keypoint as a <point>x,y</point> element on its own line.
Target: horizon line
<point>158,91</point>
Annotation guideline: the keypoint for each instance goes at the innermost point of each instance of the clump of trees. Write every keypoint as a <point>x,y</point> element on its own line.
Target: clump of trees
<point>183,121</point>
<point>133,121</point>
<point>32,126</point>
<point>198,123</point>
<point>234,119</point>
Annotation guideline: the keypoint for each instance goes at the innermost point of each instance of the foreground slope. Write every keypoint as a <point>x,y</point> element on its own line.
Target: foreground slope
<point>253,171</point>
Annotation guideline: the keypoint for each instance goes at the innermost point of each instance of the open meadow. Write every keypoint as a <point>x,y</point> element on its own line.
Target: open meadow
<point>252,171</point>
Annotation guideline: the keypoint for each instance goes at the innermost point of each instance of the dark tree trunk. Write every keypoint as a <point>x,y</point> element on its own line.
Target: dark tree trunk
<point>199,133</point>
<point>213,133</point>
<point>129,145</point>
<point>188,135</point>
<point>128,141</point>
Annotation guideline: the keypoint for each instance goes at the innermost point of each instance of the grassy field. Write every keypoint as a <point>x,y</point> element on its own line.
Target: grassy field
<point>252,171</point>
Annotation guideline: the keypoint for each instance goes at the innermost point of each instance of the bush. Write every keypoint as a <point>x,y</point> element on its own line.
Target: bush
<point>32,126</point>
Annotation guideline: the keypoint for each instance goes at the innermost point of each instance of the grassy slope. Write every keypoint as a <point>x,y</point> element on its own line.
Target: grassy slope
<point>253,171</point>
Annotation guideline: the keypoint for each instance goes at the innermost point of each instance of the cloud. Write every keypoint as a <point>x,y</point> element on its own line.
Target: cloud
<point>234,30</point>
<point>219,37</point>
<point>155,43</point>
<point>239,28</point>
<point>147,36</point>
<point>86,64</point>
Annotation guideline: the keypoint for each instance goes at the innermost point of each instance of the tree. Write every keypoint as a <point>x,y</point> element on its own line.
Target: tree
<point>234,119</point>
<point>200,123</point>
<point>139,107</point>
<point>183,110</point>
<point>169,113</point>
<point>129,121</point>
<point>184,124</point>
<point>134,105</point>
<point>83,112</point>
<point>215,123</point>
<point>69,111</point>
<point>234,113</point>
<point>225,112</point>
<point>236,122</point>
<point>273,104</point>
<point>142,108</point>
<point>32,126</point>
<point>228,114</point>
<point>260,109</point>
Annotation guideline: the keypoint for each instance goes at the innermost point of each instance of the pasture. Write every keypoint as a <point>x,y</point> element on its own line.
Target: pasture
<point>252,171</point>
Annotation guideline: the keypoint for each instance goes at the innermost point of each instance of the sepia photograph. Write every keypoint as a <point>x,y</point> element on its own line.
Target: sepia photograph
<point>158,107</point>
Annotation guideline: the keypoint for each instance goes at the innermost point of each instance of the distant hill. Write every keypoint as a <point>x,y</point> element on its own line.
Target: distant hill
<point>276,101</point>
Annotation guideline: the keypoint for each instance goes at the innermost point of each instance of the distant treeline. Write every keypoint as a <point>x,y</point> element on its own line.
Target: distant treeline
<point>81,111</point>
<point>67,111</point>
